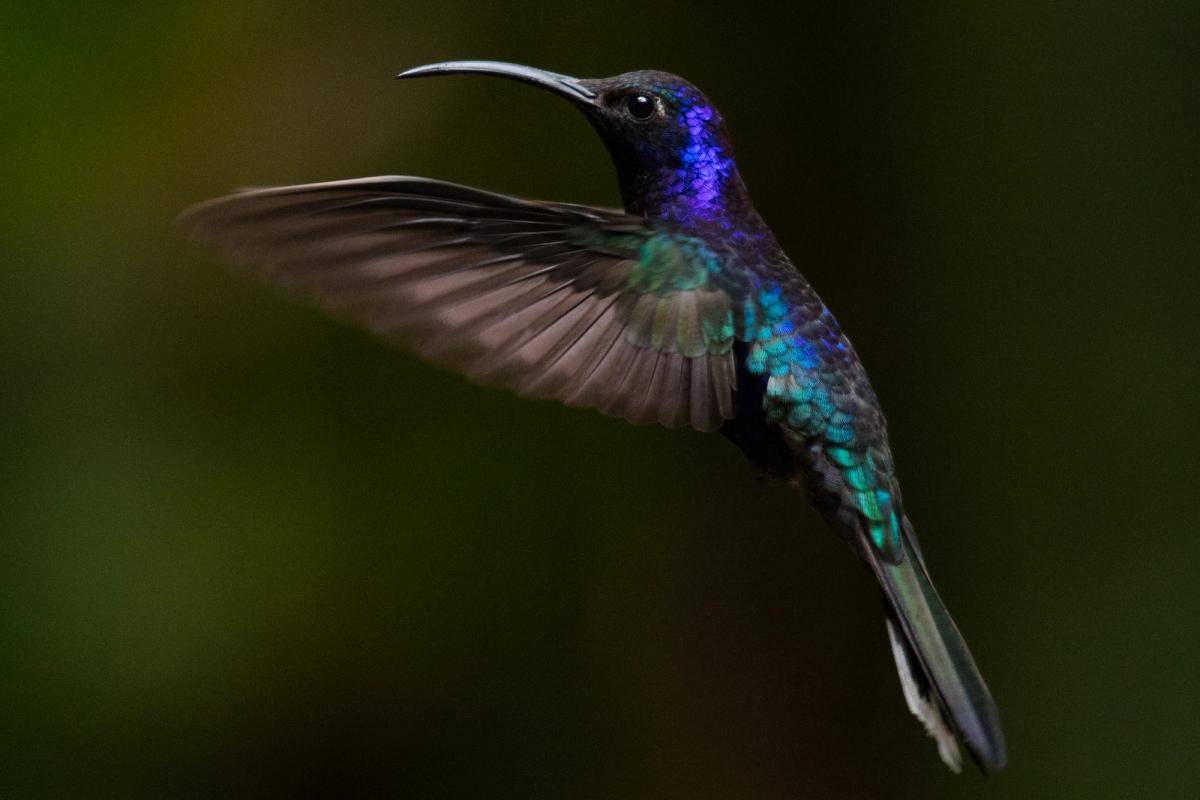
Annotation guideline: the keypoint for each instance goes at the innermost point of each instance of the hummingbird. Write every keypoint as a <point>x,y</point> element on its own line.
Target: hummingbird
<point>680,309</point>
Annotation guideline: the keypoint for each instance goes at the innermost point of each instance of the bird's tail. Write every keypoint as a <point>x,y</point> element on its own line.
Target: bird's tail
<point>941,684</point>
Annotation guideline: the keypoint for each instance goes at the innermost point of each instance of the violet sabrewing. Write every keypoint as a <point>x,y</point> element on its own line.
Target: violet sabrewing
<point>680,309</point>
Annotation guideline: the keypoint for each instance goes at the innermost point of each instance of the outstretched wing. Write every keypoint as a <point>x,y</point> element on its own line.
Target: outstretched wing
<point>591,307</point>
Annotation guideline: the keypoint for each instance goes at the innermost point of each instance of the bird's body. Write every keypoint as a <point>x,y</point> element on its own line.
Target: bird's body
<point>681,309</point>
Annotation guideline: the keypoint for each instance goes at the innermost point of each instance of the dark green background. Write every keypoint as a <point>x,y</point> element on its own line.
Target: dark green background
<point>248,552</point>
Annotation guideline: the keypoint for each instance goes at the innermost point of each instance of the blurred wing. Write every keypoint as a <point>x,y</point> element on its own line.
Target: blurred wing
<point>591,307</point>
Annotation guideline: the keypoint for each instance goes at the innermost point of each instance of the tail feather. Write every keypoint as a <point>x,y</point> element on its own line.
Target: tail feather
<point>941,684</point>
<point>921,703</point>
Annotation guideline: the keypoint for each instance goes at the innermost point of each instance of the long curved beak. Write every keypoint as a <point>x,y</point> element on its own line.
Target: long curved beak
<point>563,85</point>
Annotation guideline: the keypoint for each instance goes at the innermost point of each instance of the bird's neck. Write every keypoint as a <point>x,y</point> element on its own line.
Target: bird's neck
<point>705,191</point>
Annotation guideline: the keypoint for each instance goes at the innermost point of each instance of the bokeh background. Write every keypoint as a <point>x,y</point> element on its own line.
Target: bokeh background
<point>245,551</point>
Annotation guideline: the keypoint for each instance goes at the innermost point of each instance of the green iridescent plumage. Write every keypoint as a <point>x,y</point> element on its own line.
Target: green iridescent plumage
<point>695,300</point>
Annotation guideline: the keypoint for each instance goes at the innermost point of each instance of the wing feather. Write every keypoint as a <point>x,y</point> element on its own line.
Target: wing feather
<point>549,300</point>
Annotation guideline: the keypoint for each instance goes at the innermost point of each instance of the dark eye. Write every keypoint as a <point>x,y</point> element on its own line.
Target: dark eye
<point>640,106</point>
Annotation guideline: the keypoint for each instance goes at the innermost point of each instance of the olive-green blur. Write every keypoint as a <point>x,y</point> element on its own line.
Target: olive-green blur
<point>249,552</point>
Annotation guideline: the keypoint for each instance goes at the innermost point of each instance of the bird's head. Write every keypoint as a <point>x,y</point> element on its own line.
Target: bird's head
<point>667,141</point>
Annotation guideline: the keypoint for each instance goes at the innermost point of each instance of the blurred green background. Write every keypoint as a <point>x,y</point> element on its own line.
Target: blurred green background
<point>246,551</point>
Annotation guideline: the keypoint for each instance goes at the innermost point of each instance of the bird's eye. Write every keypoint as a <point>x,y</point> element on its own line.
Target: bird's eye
<point>640,106</point>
